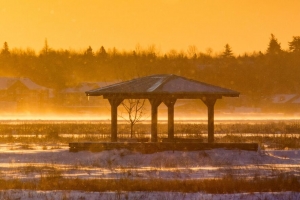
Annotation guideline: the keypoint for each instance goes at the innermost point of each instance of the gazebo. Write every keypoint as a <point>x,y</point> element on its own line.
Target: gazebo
<point>163,88</point>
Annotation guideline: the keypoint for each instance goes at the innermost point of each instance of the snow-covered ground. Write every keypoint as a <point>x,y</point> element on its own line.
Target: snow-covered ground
<point>17,161</point>
<point>79,195</point>
<point>32,161</point>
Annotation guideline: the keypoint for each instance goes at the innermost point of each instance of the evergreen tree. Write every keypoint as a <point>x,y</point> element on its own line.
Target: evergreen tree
<point>5,50</point>
<point>274,47</point>
<point>102,52</point>
<point>89,51</point>
<point>46,49</point>
<point>227,52</point>
<point>294,45</point>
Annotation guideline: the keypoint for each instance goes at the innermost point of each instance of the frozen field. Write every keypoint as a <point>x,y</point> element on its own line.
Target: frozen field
<point>29,162</point>
<point>33,161</point>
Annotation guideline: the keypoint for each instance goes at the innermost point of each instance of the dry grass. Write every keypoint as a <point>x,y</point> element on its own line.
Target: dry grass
<point>226,184</point>
<point>278,135</point>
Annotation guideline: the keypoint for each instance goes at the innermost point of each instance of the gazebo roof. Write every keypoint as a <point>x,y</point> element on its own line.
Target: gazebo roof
<point>163,85</point>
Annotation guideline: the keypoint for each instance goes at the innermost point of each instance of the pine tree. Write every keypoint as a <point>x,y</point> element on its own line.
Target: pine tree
<point>102,52</point>
<point>294,45</point>
<point>274,47</point>
<point>227,52</point>
<point>5,50</point>
<point>46,49</point>
<point>89,51</point>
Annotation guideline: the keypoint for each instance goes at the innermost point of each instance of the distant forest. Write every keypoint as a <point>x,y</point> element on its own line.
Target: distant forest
<point>257,74</point>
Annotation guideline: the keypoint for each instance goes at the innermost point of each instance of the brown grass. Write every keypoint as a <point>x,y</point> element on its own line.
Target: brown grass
<point>276,135</point>
<point>215,186</point>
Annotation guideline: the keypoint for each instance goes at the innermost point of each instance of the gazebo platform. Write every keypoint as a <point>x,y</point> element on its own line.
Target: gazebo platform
<point>152,147</point>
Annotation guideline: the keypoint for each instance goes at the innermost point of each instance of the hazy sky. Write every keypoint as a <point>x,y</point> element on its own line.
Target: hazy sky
<point>245,25</point>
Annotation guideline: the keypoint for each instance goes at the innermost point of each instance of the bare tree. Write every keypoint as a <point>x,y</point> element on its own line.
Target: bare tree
<point>192,51</point>
<point>135,109</point>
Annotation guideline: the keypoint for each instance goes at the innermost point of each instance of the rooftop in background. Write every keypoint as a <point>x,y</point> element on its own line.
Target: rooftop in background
<point>163,84</point>
<point>7,82</point>
<point>85,86</point>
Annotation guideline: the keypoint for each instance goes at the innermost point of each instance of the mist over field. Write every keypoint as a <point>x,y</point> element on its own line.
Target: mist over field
<point>54,81</point>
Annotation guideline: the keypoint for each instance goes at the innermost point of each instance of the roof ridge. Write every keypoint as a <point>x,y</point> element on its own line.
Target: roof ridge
<point>165,80</point>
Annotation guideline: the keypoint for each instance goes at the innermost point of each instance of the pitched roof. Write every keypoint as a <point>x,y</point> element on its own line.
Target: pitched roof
<point>164,84</point>
<point>82,87</point>
<point>7,82</point>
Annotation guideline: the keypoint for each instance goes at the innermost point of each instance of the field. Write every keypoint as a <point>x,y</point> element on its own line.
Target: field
<point>269,134</point>
<point>36,163</point>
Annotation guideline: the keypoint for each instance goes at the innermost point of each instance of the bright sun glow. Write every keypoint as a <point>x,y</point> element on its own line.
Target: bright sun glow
<point>230,117</point>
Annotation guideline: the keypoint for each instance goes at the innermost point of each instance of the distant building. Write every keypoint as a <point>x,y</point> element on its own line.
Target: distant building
<point>22,94</point>
<point>75,99</point>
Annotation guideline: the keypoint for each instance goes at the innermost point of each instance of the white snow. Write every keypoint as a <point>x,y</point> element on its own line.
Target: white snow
<point>80,195</point>
<point>168,164</point>
<point>31,163</point>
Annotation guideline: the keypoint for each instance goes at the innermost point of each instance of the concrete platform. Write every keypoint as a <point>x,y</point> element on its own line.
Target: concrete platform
<point>152,147</point>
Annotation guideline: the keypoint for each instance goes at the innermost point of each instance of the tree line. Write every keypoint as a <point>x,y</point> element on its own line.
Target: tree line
<point>257,74</point>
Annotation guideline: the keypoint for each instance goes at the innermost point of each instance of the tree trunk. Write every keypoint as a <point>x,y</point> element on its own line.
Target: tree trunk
<point>131,130</point>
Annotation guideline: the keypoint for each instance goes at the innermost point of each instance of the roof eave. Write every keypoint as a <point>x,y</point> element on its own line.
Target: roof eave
<point>108,95</point>
<point>100,92</point>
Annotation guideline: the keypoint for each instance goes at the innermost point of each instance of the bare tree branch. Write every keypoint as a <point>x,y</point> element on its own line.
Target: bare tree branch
<point>135,109</point>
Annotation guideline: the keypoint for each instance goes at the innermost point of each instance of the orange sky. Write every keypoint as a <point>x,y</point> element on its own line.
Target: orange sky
<point>245,25</point>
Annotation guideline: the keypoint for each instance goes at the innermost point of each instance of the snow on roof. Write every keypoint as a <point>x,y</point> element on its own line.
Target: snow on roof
<point>163,84</point>
<point>296,100</point>
<point>283,98</point>
<point>7,82</point>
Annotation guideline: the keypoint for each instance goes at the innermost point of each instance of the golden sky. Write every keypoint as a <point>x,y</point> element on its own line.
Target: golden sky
<point>245,25</point>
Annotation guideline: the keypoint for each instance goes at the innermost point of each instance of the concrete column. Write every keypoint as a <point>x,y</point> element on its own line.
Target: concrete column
<point>154,105</point>
<point>114,103</point>
<point>210,102</point>
<point>170,104</point>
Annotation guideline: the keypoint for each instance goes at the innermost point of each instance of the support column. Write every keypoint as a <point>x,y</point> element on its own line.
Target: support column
<point>114,103</point>
<point>170,104</point>
<point>154,105</point>
<point>210,102</point>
